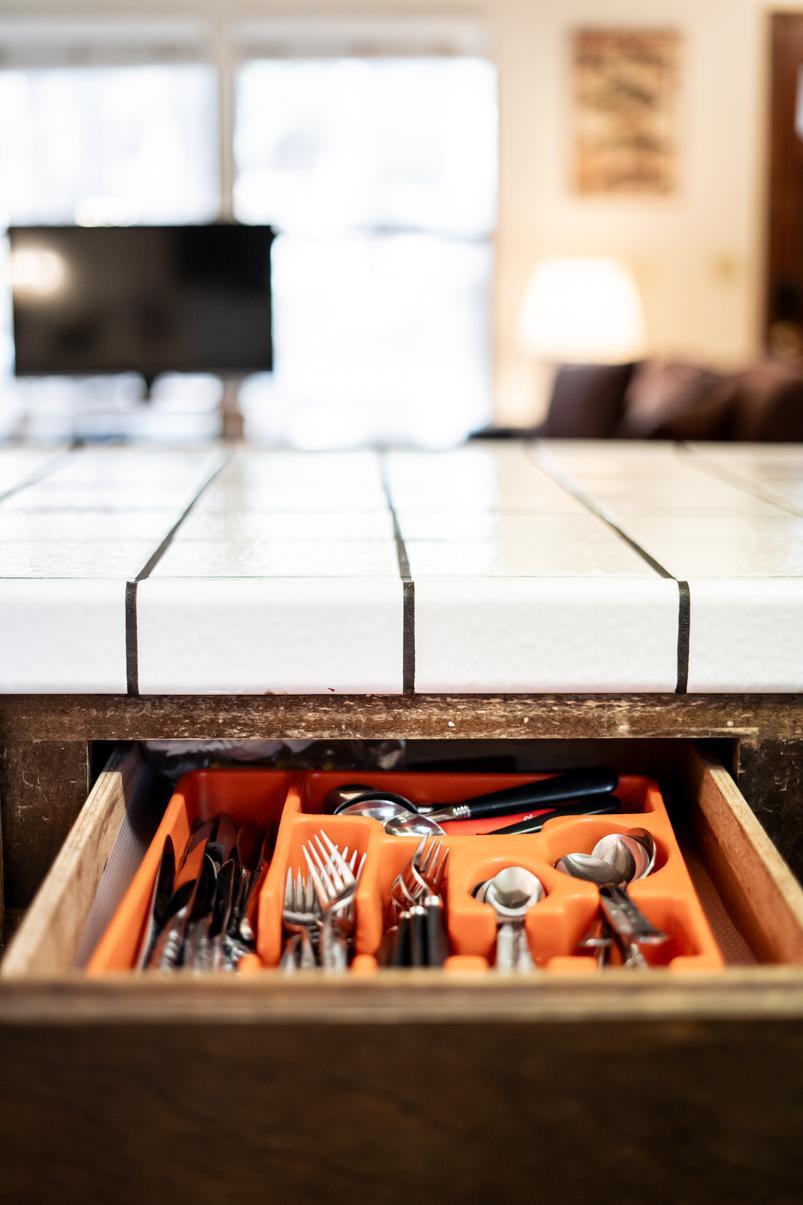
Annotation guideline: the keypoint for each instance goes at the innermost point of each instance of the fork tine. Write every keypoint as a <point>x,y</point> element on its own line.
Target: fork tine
<point>358,871</point>
<point>336,859</point>
<point>329,863</point>
<point>288,891</point>
<point>320,889</point>
<point>322,870</point>
<point>440,870</point>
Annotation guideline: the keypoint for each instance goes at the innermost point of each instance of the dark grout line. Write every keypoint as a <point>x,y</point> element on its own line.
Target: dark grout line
<point>408,589</point>
<point>684,597</point>
<point>709,468</point>
<point>131,630</point>
<point>38,474</point>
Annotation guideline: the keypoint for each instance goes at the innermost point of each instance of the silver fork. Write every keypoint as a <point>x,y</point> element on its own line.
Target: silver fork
<point>335,880</point>
<point>421,876</point>
<point>420,937</point>
<point>300,917</point>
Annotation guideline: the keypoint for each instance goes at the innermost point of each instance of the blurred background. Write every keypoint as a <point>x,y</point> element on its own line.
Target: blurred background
<point>463,198</point>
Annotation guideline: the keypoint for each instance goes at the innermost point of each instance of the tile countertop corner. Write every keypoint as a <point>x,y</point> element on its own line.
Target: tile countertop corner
<point>499,567</point>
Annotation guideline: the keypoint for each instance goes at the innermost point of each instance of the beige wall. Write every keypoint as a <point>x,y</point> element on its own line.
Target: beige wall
<point>697,256</point>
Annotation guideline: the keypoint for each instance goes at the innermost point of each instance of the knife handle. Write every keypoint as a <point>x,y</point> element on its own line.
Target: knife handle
<point>571,785</point>
<point>534,824</point>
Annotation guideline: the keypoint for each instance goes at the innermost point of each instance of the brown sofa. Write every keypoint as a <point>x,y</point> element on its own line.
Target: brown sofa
<point>657,399</point>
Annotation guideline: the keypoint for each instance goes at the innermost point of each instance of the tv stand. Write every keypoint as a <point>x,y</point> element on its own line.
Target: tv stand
<point>232,424</point>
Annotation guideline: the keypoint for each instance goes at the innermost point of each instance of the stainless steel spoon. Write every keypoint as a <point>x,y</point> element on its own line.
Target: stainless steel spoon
<point>616,860</point>
<point>400,818</point>
<point>512,892</point>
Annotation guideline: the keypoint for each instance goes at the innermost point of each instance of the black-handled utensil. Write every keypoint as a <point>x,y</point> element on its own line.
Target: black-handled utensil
<point>594,807</point>
<point>385,805</point>
<point>571,785</point>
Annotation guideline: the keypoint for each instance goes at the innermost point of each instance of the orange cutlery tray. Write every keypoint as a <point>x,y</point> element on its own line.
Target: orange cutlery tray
<point>554,926</point>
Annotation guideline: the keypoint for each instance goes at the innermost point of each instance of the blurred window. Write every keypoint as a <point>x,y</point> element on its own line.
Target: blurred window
<point>380,174</point>
<point>105,145</point>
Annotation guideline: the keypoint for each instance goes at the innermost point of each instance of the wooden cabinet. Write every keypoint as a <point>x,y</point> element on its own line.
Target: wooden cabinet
<point>451,1087</point>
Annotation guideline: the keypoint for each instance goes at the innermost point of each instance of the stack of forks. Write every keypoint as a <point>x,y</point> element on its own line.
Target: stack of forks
<point>319,912</point>
<point>418,937</point>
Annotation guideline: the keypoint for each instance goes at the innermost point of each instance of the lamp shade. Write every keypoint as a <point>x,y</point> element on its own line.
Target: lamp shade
<point>579,310</point>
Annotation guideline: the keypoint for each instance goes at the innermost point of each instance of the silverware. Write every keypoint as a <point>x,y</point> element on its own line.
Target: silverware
<point>616,860</point>
<point>401,818</point>
<point>335,887</point>
<point>571,785</point>
<point>300,916</point>
<point>195,952</point>
<point>221,911</point>
<point>512,892</point>
<point>159,903</point>
<point>419,936</point>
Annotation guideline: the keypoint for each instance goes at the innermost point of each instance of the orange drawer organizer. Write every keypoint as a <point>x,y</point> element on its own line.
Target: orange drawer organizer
<point>554,926</point>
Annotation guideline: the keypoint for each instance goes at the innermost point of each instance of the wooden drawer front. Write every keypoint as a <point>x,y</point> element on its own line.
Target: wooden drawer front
<point>459,1087</point>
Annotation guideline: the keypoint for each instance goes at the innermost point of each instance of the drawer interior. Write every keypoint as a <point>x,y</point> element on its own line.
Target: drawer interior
<point>752,902</point>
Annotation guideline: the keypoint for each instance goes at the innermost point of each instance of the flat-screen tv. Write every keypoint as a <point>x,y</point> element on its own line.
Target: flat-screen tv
<point>146,299</point>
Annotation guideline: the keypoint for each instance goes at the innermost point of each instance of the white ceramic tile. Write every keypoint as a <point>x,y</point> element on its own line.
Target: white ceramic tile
<point>746,635</point>
<point>137,468</point>
<point>561,548</point>
<point>289,469</point>
<point>463,483</point>
<point>228,497</point>
<point>716,546</point>
<point>686,493</point>
<point>279,558</point>
<point>85,525</point>
<point>74,558</point>
<point>542,634</point>
<point>754,460</point>
<point>481,526</point>
<point>112,497</point>
<point>66,636</point>
<point>19,464</point>
<point>608,458</point>
<point>471,498</point>
<point>788,494</point>
<point>259,636</point>
<point>212,525</point>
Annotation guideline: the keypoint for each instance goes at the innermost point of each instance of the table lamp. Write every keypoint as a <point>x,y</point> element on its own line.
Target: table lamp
<point>582,310</point>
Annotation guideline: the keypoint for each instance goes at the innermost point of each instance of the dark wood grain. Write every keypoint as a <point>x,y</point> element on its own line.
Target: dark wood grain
<point>43,786</point>
<point>491,1110</point>
<point>770,775</point>
<point>441,717</point>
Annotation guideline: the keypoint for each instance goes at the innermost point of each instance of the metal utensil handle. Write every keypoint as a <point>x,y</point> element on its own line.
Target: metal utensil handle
<point>437,938</point>
<point>626,918</point>
<point>334,948</point>
<point>308,960</point>
<point>533,824</point>
<point>400,952</point>
<point>167,950</point>
<point>524,959</point>
<point>290,953</point>
<point>506,946</point>
<point>507,802</point>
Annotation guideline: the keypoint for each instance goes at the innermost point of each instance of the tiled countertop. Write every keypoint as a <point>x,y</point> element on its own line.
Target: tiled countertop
<point>561,567</point>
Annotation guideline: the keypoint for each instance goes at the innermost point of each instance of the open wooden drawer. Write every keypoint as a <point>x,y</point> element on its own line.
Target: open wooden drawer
<point>455,1086</point>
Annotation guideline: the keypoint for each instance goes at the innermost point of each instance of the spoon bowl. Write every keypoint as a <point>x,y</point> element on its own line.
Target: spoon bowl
<point>511,892</point>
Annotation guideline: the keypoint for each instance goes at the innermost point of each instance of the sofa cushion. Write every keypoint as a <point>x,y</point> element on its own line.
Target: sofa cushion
<point>676,400</point>
<point>769,404</point>
<point>588,401</point>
